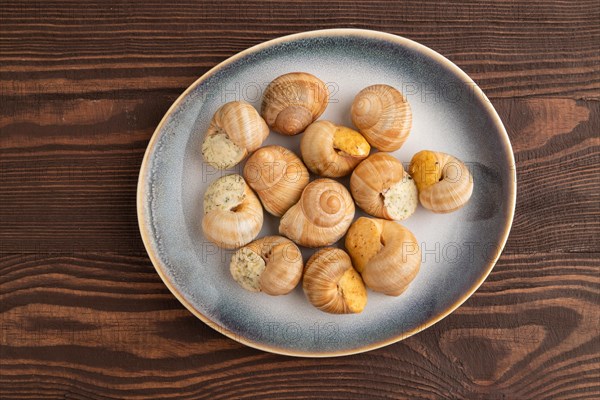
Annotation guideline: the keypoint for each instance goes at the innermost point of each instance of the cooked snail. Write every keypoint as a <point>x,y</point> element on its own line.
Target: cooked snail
<point>444,182</point>
<point>385,253</point>
<point>321,216</point>
<point>382,188</point>
<point>293,101</point>
<point>272,264</point>
<point>277,176</point>
<point>235,131</point>
<point>331,283</point>
<point>382,114</point>
<point>233,215</point>
<point>332,150</point>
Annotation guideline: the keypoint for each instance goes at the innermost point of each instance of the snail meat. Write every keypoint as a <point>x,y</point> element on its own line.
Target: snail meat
<point>382,188</point>
<point>235,131</point>
<point>233,215</point>
<point>272,264</point>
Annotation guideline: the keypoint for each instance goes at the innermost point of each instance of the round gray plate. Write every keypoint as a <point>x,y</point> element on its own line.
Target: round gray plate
<point>450,114</point>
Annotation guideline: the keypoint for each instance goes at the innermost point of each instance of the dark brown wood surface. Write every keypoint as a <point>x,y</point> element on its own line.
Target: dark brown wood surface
<point>83,314</point>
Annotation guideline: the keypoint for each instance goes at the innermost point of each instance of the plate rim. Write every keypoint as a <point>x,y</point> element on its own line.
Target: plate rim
<point>141,198</point>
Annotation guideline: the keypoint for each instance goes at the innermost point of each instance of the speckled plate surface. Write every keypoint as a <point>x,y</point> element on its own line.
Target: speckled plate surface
<point>450,114</point>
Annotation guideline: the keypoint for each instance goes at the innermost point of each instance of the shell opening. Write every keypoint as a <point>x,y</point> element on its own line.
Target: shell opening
<point>236,208</point>
<point>349,143</point>
<point>246,267</point>
<point>353,291</point>
<point>401,199</point>
<point>425,169</point>
<point>220,151</point>
<point>364,241</point>
<point>226,194</point>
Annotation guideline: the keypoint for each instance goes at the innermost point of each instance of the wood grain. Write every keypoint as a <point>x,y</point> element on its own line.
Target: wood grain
<point>97,326</point>
<point>93,48</point>
<point>83,314</point>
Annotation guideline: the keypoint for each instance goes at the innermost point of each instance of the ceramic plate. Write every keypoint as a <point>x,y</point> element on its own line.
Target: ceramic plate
<point>450,114</point>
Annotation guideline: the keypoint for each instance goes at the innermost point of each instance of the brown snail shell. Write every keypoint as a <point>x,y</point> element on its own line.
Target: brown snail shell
<point>444,182</point>
<point>277,176</point>
<point>382,114</point>
<point>321,216</point>
<point>331,283</point>
<point>272,264</point>
<point>233,215</point>
<point>293,101</point>
<point>332,150</point>
<point>235,131</point>
<point>382,188</point>
<point>386,254</point>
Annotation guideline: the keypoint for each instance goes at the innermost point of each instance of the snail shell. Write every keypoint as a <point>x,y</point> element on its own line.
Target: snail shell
<point>278,176</point>
<point>331,150</point>
<point>233,215</point>
<point>321,217</point>
<point>444,182</point>
<point>272,264</point>
<point>382,114</point>
<point>293,101</point>
<point>385,253</point>
<point>382,188</point>
<point>235,131</point>
<point>331,283</point>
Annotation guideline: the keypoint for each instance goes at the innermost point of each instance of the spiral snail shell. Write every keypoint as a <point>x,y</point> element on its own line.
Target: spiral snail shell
<point>331,150</point>
<point>331,283</point>
<point>382,188</point>
<point>321,216</point>
<point>293,101</point>
<point>235,131</point>
<point>272,264</point>
<point>233,215</point>
<point>444,182</point>
<point>382,114</point>
<point>277,176</point>
<point>385,253</point>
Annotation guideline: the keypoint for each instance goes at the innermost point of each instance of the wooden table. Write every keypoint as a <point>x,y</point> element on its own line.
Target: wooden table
<point>83,314</point>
